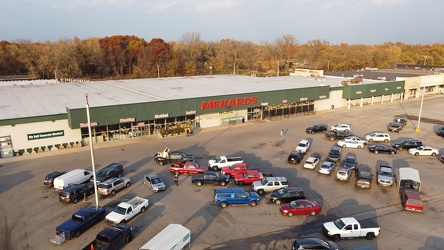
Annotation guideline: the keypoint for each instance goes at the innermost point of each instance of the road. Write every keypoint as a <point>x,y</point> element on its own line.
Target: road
<point>30,212</point>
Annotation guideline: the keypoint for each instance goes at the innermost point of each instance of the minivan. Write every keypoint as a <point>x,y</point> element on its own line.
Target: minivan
<point>236,196</point>
<point>112,170</point>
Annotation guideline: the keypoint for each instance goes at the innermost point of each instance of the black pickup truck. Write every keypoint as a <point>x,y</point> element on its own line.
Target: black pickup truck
<point>111,238</point>
<point>339,135</point>
<point>210,177</point>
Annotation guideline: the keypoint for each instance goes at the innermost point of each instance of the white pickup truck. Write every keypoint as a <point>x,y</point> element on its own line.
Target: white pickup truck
<point>127,210</point>
<point>349,227</point>
<point>223,161</point>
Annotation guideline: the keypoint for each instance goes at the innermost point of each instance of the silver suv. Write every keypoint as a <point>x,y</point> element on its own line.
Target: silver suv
<point>270,184</point>
<point>378,136</point>
<point>113,185</point>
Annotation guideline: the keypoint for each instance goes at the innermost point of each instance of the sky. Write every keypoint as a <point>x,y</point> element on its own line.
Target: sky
<point>259,21</point>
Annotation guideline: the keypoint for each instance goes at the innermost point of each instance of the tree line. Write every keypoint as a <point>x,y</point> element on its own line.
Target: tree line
<point>125,57</point>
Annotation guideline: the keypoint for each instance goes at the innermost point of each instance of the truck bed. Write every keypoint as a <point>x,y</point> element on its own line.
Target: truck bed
<point>368,224</point>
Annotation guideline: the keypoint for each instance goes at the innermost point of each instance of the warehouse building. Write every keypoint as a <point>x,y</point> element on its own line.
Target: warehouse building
<point>45,115</point>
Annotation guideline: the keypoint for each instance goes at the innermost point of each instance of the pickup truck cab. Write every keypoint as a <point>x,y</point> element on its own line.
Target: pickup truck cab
<point>250,176</point>
<point>223,161</point>
<point>127,210</point>
<point>233,170</point>
<point>81,221</point>
<point>190,167</point>
<point>210,177</point>
<point>349,227</point>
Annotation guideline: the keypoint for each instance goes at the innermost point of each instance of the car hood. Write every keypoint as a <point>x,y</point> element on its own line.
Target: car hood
<point>286,206</point>
<point>330,226</point>
<point>115,217</point>
<point>158,185</point>
<point>385,178</point>
<point>254,195</point>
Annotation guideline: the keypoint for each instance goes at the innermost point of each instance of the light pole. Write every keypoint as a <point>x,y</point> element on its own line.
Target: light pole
<point>158,71</point>
<point>211,70</point>
<point>417,129</point>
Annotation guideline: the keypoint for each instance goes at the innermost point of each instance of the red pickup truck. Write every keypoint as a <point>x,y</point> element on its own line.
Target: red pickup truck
<point>251,176</point>
<point>238,168</point>
<point>190,167</point>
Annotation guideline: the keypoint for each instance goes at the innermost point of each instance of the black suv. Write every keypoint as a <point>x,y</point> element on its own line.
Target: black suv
<point>75,193</point>
<point>313,243</point>
<point>295,157</point>
<point>394,127</point>
<point>317,128</point>
<point>286,195</point>
<point>112,170</point>
<point>406,144</point>
<point>335,154</point>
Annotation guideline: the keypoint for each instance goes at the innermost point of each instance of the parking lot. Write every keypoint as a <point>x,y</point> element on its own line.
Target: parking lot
<point>29,212</point>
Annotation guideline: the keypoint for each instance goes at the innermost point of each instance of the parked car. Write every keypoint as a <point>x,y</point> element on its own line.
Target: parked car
<point>381,148</point>
<point>286,195</point>
<point>423,150</point>
<point>406,144</point>
<point>350,144</point>
<point>237,196</point>
<point>112,170</point>
<point>298,207</point>
<point>338,135</point>
<point>295,157</point>
<point>356,138</point>
<point>269,184</point>
<point>327,167</point>
<point>441,131</point>
<point>350,162</point>
<point>313,243</point>
<point>386,176</point>
<point>340,127</point>
<point>126,210</point>
<point>303,146</point>
<point>349,227</point>
<point>364,179</point>
<point>113,185</point>
<point>400,120</point>
<point>154,182</point>
<point>411,200</point>
<point>112,238</point>
<point>166,156</point>
<point>76,193</point>
<point>378,137</point>
<point>189,167</point>
<point>311,162</point>
<point>335,154</point>
<point>344,174</point>
<point>317,128</point>
<point>49,179</point>
<point>80,222</point>
<point>394,127</point>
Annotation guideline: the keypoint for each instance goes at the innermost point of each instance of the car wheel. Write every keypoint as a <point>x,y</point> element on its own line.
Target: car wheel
<point>336,237</point>
<point>392,152</point>
<point>344,146</point>
<point>359,147</point>
<point>223,183</point>
<point>370,140</point>
<point>123,221</point>
<point>113,192</point>
<point>142,210</point>
<point>199,183</point>
<point>253,203</point>
<point>370,236</point>
<point>416,154</point>
<point>223,204</point>
<point>77,234</point>
<point>312,132</point>
<point>75,201</point>
<point>376,151</point>
<point>241,183</point>
<point>129,238</point>
<point>290,214</point>
<point>128,184</point>
<point>215,168</point>
<point>277,202</point>
<point>161,163</point>
<point>433,154</point>
<point>313,213</point>
<point>260,191</point>
<point>385,140</point>
<point>346,130</point>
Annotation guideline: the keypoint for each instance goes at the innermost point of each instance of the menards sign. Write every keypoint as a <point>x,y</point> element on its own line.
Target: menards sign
<point>46,135</point>
<point>226,103</point>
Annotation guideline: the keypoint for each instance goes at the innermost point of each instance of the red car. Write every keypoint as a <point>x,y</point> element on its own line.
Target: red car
<point>300,207</point>
<point>411,200</point>
<point>190,167</point>
<point>250,176</point>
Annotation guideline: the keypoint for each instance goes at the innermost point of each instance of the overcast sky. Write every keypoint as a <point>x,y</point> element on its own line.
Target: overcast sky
<point>336,21</point>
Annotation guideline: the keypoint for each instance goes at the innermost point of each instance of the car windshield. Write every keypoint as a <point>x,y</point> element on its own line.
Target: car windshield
<point>264,181</point>
<point>301,145</point>
<point>231,167</point>
<point>349,160</point>
<point>385,174</point>
<point>120,210</point>
<point>218,159</point>
<point>339,224</point>
<point>155,181</point>
<point>101,174</point>
<point>281,191</point>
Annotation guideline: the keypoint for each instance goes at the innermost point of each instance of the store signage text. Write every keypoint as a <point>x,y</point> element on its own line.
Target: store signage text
<point>45,135</point>
<point>85,125</point>
<point>233,102</point>
<point>161,116</point>
<point>192,112</point>
<point>129,119</point>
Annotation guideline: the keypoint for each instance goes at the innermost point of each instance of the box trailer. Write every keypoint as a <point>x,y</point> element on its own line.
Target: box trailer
<point>408,178</point>
<point>174,236</point>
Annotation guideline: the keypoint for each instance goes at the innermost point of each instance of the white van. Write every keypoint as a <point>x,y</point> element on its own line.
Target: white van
<point>76,176</point>
<point>174,236</point>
